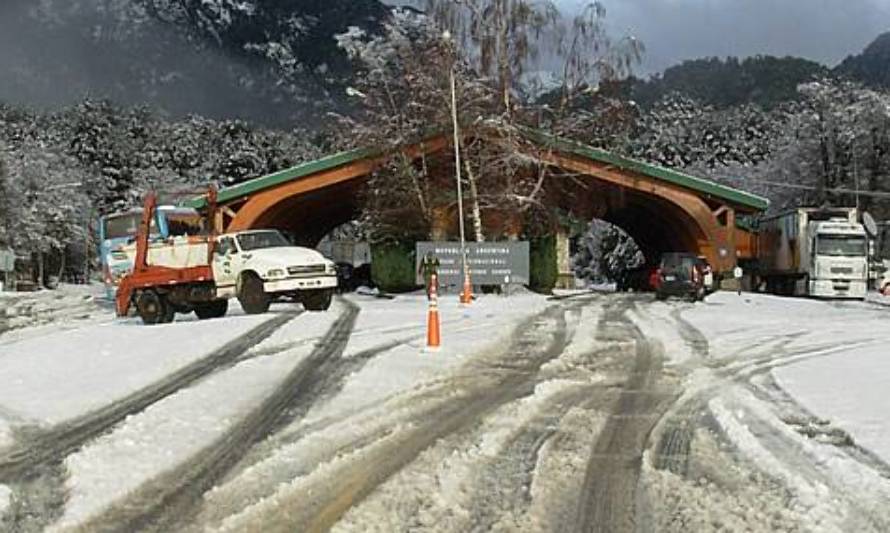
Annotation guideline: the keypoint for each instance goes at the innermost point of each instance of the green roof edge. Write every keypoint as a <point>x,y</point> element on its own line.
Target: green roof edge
<point>672,176</point>
<point>289,174</point>
<point>694,183</point>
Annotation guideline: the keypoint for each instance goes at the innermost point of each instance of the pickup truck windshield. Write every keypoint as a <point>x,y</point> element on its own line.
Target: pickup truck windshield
<point>841,246</point>
<point>261,239</point>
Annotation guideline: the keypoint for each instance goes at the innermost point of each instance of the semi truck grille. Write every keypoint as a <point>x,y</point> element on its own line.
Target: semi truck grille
<point>306,270</point>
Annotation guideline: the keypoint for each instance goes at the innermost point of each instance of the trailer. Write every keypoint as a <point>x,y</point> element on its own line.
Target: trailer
<point>820,252</point>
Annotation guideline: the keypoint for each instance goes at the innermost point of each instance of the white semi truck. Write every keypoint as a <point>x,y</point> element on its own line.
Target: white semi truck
<point>820,252</point>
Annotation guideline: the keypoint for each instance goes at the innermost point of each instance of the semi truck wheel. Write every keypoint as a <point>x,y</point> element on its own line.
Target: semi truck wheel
<point>214,309</point>
<point>151,307</point>
<point>251,296</point>
<point>318,300</point>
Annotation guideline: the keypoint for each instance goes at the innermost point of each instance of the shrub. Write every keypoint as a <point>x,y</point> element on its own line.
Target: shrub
<point>392,266</point>
<point>542,264</point>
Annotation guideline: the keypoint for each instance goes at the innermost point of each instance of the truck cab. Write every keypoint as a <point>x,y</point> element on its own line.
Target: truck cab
<point>840,259</point>
<point>261,265</point>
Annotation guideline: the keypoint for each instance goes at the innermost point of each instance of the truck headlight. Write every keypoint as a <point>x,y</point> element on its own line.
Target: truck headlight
<point>275,273</point>
<point>331,268</point>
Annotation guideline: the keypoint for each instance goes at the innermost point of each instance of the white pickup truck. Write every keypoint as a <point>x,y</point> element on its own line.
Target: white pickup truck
<point>255,266</point>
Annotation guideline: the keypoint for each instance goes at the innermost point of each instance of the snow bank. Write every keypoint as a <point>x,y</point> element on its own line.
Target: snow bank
<point>26,314</point>
<point>65,374</point>
<point>852,389</point>
<point>170,432</point>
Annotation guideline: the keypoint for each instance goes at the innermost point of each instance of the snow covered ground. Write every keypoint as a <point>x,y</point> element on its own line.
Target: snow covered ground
<point>36,313</point>
<point>740,413</point>
<point>177,428</point>
<point>832,357</point>
<point>58,376</point>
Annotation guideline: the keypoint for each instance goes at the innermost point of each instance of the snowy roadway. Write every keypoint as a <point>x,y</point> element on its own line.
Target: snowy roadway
<point>592,412</point>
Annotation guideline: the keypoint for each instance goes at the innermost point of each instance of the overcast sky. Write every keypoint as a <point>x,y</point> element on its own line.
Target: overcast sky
<point>673,30</point>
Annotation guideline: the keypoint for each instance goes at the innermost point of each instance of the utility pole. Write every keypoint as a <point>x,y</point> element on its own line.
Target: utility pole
<point>465,297</point>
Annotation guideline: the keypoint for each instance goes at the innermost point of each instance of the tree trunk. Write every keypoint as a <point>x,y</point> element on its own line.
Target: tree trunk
<point>477,212</point>
<point>40,278</point>
<point>62,264</point>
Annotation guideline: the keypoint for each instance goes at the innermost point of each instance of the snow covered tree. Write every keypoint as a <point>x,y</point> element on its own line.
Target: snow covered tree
<point>50,208</point>
<point>605,253</point>
<point>500,38</point>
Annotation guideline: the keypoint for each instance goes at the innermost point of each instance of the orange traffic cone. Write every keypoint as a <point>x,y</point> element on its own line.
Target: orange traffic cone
<point>433,338</point>
<point>466,296</point>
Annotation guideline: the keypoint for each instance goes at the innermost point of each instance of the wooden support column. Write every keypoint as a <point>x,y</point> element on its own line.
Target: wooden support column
<point>566,277</point>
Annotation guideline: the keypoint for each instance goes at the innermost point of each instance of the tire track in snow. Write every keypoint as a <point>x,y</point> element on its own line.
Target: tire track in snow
<point>33,468</point>
<point>42,446</point>
<point>464,400</point>
<point>608,499</point>
<point>503,485</point>
<point>677,428</point>
<point>166,503</point>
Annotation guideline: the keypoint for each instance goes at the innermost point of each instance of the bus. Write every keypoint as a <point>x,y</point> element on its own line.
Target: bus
<point>117,237</point>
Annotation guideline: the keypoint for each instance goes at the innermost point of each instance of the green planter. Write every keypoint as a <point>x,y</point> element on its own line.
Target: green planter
<point>392,266</point>
<point>543,269</point>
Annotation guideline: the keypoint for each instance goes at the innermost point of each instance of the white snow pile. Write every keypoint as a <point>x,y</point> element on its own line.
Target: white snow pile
<point>5,433</point>
<point>68,303</point>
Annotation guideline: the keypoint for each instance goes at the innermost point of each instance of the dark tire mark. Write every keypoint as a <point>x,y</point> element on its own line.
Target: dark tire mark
<point>504,484</point>
<point>166,503</point>
<point>37,501</point>
<point>693,338</point>
<point>672,452</point>
<point>608,501</point>
<point>59,441</point>
<point>34,468</point>
<point>327,381</point>
<point>481,391</point>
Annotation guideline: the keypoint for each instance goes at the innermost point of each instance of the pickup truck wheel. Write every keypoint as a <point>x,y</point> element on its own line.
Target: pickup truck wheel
<point>214,309</point>
<point>151,307</point>
<point>318,300</point>
<point>251,295</point>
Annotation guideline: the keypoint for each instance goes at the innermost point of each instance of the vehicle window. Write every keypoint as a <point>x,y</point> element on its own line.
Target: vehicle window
<point>261,239</point>
<point>185,224</point>
<point>840,246</point>
<point>226,246</point>
<point>122,226</point>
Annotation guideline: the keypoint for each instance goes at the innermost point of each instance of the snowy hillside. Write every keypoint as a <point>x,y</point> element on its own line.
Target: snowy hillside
<point>271,61</point>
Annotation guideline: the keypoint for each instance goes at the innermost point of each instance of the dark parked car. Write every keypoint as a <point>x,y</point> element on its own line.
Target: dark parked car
<point>640,279</point>
<point>680,275</point>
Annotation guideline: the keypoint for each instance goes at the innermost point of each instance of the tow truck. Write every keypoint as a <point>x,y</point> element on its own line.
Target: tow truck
<point>201,273</point>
